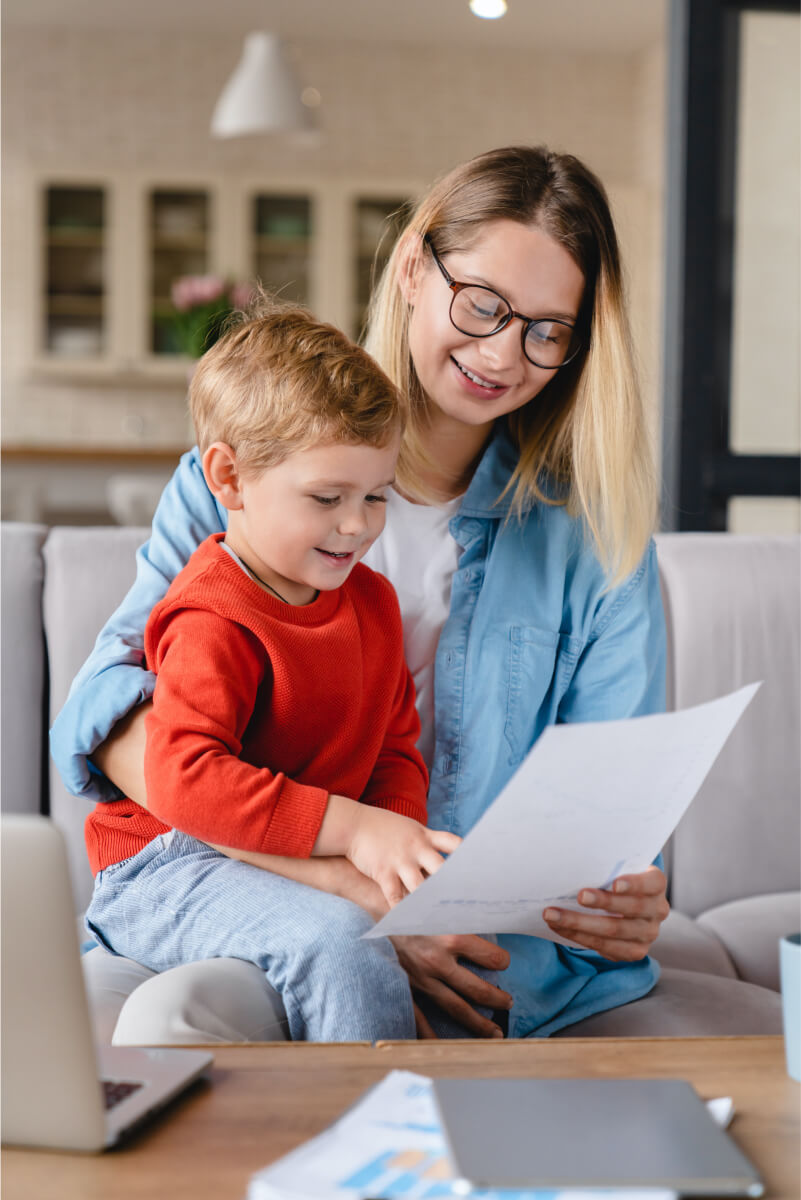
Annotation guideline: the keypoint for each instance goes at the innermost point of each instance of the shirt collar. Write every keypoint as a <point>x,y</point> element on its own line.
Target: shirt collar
<point>495,469</point>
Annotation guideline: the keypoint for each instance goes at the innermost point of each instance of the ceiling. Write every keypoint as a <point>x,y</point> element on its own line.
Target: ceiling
<point>579,26</point>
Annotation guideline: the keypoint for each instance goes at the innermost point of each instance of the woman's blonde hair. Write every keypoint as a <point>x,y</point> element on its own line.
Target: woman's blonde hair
<point>279,381</point>
<point>583,441</point>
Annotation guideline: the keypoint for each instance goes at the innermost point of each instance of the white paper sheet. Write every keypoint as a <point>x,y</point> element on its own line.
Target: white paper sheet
<point>390,1144</point>
<point>590,802</point>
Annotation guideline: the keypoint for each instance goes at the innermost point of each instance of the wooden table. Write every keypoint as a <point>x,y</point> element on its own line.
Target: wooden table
<point>263,1100</point>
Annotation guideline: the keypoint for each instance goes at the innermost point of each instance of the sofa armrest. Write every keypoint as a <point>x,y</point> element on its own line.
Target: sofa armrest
<point>750,930</point>
<point>23,672</point>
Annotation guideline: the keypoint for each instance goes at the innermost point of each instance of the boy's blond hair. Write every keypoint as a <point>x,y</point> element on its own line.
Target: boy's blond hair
<point>279,381</point>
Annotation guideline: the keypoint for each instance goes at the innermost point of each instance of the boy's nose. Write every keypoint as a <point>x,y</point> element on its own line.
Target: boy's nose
<point>352,521</point>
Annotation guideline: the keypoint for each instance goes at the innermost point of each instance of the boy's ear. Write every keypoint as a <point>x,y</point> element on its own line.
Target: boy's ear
<point>222,475</point>
<point>410,265</point>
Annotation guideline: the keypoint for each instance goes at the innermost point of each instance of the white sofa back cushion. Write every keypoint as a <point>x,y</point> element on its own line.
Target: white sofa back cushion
<point>733,610</point>
<point>87,573</point>
<point>22,668</point>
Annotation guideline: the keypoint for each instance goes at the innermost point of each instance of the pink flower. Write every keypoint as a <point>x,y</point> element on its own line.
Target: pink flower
<point>190,291</point>
<point>241,295</point>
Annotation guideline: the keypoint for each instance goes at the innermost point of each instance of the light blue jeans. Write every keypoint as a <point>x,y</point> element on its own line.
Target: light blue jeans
<point>178,901</point>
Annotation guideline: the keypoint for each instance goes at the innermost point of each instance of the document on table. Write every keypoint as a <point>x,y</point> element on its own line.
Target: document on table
<point>590,802</point>
<point>390,1144</point>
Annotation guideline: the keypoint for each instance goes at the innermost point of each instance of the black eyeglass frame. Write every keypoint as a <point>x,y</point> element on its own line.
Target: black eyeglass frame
<point>528,322</point>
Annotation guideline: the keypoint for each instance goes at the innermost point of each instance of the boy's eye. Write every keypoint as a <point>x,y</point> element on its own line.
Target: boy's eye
<point>376,499</point>
<point>326,500</point>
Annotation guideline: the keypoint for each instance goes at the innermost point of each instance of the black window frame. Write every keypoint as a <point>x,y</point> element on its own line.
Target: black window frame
<point>700,472</point>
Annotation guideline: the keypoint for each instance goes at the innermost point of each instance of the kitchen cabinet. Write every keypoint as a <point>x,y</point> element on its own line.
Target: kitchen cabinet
<point>108,251</point>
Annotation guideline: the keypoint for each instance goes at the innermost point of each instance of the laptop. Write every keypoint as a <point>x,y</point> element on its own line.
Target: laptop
<point>58,1089</point>
<point>589,1133</point>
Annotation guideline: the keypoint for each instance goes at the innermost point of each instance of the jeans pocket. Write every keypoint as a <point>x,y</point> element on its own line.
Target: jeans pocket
<point>113,869</point>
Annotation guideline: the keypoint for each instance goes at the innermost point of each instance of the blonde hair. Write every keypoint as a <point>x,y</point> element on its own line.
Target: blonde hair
<point>584,436</point>
<point>279,381</point>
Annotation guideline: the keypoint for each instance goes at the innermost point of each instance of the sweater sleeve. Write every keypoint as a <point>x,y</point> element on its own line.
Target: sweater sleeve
<point>399,781</point>
<point>209,671</point>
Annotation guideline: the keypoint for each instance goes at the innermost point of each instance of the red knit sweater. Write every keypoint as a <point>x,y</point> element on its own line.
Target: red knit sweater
<point>262,708</point>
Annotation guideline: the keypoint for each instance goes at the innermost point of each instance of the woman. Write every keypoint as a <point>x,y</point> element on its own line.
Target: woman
<point>518,539</point>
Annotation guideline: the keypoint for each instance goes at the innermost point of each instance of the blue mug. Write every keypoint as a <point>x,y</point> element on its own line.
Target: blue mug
<point>790,969</point>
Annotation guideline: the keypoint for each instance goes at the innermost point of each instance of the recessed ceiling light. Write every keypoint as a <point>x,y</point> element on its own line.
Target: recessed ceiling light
<point>490,10</point>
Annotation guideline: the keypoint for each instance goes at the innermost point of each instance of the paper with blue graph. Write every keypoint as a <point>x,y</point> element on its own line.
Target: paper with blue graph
<point>590,802</point>
<point>390,1145</point>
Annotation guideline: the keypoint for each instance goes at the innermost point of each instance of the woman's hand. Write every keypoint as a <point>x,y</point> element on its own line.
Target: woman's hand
<point>433,967</point>
<point>641,902</point>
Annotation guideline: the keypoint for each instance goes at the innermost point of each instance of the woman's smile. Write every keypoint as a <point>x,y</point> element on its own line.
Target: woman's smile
<point>479,381</point>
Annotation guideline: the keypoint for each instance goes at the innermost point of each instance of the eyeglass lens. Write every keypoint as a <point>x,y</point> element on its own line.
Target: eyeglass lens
<point>480,312</point>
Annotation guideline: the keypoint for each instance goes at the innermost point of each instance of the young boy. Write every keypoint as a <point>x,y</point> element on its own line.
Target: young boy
<point>283,717</point>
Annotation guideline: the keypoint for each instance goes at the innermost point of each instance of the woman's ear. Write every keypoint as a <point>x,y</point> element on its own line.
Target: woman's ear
<point>222,475</point>
<point>410,264</point>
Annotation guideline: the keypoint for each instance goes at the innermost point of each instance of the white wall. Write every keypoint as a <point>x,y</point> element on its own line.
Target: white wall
<point>80,104</point>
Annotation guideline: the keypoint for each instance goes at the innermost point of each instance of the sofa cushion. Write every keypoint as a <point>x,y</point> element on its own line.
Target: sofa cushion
<point>23,677</point>
<point>689,1004</point>
<point>88,571</point>
<point>683,943</point>
<point>750,930</point>
<point>733,611</point>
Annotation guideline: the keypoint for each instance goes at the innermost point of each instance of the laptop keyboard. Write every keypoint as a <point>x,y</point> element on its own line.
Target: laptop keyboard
<point>115,1090</point>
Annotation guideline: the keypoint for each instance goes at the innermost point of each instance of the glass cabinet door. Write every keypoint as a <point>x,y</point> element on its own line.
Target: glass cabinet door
<point>75,272</point>
<point>378,223</point>
<point>179,224</point>
<point>281,236</point>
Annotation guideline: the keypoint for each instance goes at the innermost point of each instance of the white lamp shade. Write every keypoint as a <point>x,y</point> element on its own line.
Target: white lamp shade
<point>262,95</point>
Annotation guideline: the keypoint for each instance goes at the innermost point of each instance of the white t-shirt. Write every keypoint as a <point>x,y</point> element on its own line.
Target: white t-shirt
<point>418,556</point>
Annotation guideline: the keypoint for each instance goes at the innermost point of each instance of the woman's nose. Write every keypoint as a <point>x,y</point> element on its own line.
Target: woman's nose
<point>502,349</point>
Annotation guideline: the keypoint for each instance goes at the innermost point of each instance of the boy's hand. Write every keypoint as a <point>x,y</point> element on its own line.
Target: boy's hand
<point>397,852</point>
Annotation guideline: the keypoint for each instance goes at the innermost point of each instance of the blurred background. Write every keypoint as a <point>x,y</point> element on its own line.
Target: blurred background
<point>114,188</point>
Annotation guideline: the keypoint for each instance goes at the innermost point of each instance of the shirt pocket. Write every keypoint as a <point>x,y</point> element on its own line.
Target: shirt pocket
<point>540,660</point>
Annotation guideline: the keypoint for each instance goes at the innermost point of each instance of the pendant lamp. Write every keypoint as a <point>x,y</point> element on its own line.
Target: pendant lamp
<point>262,95</point>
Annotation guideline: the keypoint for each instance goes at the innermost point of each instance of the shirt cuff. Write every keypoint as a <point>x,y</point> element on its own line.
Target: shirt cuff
<point>296,820</point>
<point>85,722</point>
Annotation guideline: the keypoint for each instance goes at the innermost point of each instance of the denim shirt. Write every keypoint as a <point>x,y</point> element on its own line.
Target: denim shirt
<point>533,638</point>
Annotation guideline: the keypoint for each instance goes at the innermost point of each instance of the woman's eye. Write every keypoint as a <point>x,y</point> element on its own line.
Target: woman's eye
<point>326,500</point>
<point>550,331</point>
<point>485,308</point>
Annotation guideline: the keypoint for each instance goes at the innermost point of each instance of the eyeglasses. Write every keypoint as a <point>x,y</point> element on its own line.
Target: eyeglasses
<point>481,312</point>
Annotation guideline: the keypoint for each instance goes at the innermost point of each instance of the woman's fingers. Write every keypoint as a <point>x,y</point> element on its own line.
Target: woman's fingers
<point>424,1030</point>
<point>433,969</point>
<point>463,1013</point>
<point>637,905</point>
<point>476,949</point>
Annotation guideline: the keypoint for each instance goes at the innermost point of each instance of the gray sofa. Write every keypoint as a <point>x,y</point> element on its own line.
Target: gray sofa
<point>733,612</point>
